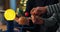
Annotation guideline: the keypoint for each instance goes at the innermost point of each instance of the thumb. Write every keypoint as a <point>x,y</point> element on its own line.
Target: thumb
<point>31,12</point>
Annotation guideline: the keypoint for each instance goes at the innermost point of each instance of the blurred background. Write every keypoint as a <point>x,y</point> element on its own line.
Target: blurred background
<point>4,4</point>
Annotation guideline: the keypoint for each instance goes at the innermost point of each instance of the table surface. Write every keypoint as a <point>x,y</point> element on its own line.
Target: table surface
<point>3,27</point>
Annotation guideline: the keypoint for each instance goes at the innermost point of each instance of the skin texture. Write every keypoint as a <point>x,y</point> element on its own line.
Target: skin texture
<point>35,16</point>
<point>22,20</point>
<point>36,13</point>
<point>36,19</point>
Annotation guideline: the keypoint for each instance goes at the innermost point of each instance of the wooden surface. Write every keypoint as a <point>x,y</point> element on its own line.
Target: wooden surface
<point>3,27</point>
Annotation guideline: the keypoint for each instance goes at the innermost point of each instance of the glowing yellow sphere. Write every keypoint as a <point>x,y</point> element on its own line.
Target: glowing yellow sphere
<point>9,14</point>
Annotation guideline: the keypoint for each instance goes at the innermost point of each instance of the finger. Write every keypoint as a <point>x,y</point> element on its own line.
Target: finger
<point>34,11</point>
<point>31,12</point>
<point>38,20</point>
<point>33,18</point>
<point>37,10</point>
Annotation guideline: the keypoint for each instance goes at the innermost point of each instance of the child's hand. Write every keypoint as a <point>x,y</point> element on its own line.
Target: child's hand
<point>22,21</point>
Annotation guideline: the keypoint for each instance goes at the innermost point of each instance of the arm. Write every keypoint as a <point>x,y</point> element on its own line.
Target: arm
<point>50,21</point>
<point>51,9</point>
<point>55,10</point>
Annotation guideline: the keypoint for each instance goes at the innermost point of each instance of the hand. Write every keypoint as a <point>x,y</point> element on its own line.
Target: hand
<point>38,10</point>
<point>22,21</point>
<point>33,11</point>
<point>37,20</point>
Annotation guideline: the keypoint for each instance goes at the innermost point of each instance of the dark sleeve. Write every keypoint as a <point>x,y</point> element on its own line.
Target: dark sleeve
<point>50,21</point>
<point>29,5</point>
<point>53,10</point>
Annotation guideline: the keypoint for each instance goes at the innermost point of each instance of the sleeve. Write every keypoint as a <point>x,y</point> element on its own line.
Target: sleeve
<point>50,21</point>
<point>53,10</point>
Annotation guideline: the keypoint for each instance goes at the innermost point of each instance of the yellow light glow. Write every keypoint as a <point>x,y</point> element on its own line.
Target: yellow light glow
<point>9,14</point>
